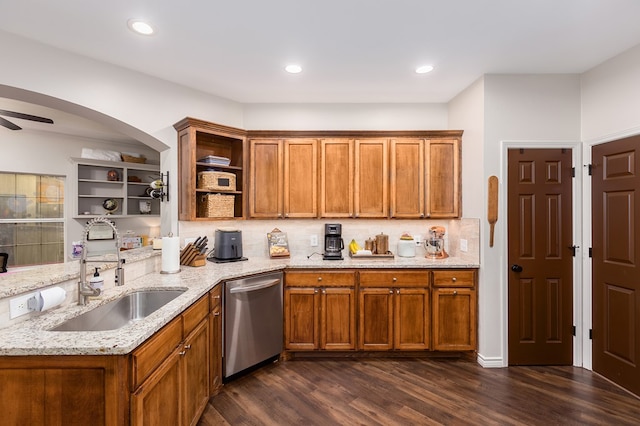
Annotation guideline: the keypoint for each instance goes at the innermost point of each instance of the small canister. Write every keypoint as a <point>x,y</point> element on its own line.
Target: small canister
<point>382,244</point>
<point>370,244</point>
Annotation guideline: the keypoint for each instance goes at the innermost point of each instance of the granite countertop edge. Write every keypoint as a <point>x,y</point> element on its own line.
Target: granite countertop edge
<point>33,337</point>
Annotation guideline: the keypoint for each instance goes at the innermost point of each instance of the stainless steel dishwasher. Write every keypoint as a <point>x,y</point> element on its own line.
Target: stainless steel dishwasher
<point>253,321</point>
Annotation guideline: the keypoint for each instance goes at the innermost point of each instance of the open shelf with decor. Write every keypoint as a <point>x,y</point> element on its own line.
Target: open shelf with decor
<point>211,162</point>
<point>119,189</point>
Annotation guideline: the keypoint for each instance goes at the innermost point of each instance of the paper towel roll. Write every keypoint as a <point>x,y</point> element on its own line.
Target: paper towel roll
<point>51,298</point>
<point>170,255</point>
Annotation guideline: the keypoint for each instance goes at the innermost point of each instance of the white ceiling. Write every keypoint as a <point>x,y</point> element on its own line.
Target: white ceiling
<point>352,51</point>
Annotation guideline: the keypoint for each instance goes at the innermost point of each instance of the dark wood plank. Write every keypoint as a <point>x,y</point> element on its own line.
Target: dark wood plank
<point>403,391</point>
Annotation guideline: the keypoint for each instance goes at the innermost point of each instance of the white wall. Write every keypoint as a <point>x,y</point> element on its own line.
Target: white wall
<point>466,112</point>
<point>611,98</point>
<point>345,117</point>
<point>529,110</point>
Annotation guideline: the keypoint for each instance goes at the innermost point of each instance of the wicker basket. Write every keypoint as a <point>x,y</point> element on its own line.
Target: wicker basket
<point>132,159</point>
<point>216,205</point>
<point>217,181</point>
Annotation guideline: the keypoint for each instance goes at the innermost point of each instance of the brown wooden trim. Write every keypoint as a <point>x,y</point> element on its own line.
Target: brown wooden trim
<point>210,127</point>
<point>427,134</point>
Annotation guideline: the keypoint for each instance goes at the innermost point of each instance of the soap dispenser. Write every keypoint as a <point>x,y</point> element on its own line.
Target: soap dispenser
<point>96,281</point>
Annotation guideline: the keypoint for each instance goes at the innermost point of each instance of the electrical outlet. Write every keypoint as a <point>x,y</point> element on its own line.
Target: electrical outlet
<point>18,305</point>
<point>463,245</point>
<point>313,240</point>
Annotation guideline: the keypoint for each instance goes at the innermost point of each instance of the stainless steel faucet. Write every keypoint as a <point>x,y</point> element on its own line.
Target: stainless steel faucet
<point>84,289</point>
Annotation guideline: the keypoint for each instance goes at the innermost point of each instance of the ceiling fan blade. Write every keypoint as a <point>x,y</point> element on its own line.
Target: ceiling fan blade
<point>25,116</point>
<point>8,124</point>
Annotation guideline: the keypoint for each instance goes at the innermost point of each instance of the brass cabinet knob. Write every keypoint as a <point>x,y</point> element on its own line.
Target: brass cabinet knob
<point>454,279</point>
<point>391,291</point>
<point>319,278</point>
<point>455,292</point>
<point>395,279</point>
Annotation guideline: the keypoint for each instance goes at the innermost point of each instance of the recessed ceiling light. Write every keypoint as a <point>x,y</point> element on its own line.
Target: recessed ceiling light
<point>293,69</point>
<point>424,69</point>
<point>140,27</point>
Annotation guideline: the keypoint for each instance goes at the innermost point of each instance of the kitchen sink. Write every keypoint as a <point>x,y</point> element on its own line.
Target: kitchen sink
<point>125,310</point>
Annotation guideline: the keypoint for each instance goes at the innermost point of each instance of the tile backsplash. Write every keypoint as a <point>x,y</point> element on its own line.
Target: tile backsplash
<point>299,232</point>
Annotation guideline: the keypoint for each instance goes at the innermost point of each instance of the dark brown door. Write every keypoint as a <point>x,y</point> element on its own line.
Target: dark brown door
<point>540,257</point>
<point>616,276</point>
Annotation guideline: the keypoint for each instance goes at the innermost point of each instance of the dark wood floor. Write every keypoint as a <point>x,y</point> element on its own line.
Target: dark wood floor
<point>410,391</point>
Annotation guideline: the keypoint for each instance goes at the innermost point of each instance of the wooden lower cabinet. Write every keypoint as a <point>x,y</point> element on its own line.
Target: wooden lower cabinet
<point>320,317</point>
<point>195,373</point>
<point>168,379</point>
<point>180,385</point>
<point>215,328</point>
<point>454,310</point>
<point>157,400</point>
<point>394,310</point>
<point>64,390</point>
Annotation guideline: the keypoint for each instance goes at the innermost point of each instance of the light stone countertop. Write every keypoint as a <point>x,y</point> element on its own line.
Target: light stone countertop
<point>32,337</point>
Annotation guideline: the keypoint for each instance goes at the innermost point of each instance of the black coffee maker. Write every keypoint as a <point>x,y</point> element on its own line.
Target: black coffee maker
<point>4,258</point>
<point>333,243</point>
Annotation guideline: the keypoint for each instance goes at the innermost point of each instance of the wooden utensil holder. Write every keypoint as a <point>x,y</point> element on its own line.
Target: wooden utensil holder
<point>190,256</point>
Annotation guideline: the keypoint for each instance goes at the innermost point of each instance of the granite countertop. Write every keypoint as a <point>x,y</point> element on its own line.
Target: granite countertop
<point>32,337</point>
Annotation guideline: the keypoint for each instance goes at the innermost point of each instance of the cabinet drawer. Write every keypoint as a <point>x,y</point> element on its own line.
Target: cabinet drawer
<point>195,313</point>
<point>151,353</point>
<point>320,279</point>
<point>454,278</point>
<point>215,297</point>
<point>395,278</point>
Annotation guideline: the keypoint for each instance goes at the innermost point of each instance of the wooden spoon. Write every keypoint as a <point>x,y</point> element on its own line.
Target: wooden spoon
<point>492,213</point>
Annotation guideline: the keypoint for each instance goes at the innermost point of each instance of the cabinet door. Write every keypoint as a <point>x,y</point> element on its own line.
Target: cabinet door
<point>301,308</point>
<point>338,319</point>
<point>411,319</point>
<point>36,396</point>
<point>371,185</point>
<point>215,369</point>
<point>157,401</point>
<point>336,178</point>
<point>265,193</point>
<point>407,178</point>
<point>195,373</point>
<point>443,178</point>
<point>300,178</point>
<point>376,319</point>
<point>454,319</point>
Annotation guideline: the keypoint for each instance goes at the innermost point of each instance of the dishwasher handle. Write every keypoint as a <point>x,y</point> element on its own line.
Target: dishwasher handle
<point>257,286</point>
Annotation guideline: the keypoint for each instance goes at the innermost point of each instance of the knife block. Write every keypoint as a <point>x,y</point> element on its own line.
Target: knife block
<point>190,256</point>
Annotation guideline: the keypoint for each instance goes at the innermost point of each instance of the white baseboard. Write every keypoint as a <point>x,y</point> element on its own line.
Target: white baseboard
<point>491,362</point>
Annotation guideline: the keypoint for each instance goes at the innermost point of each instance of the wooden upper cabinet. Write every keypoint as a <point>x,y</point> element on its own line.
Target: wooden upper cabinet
<point>336,177</point>
<point>371,183</point>
<point>198,140</point>
<point>300,178</point>
<point>283,178</point>
<point>265,179</point>
<point>443,186</point>
<point>407,178</point>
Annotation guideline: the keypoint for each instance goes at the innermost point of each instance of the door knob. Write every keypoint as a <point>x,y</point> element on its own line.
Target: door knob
<point>516,268</point>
